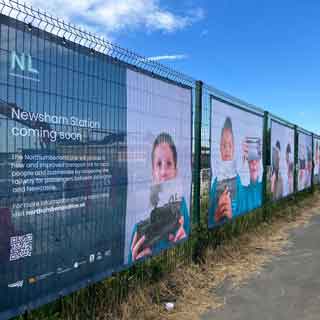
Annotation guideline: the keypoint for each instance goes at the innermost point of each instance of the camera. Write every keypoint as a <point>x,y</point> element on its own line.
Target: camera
<point>275,159</point>
<point>231,184</point>
<point>254,148</point>
<point>162,222</point>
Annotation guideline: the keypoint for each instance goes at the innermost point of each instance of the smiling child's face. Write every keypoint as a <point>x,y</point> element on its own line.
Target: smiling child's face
<point>226,145</point>
<point>254,170</point>
<point>309,166</point>
<point>163,166</point>
<point>287,159</point>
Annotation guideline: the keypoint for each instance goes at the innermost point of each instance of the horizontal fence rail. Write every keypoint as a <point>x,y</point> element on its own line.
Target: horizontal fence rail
<point>53,25</point>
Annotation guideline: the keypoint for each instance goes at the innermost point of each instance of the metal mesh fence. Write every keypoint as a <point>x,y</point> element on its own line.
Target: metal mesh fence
<point>77,72</point>
<point>68,32</point>
<point>78,76</point>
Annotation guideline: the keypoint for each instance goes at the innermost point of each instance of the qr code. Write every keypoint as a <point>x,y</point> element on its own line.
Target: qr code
<point>20,246</point>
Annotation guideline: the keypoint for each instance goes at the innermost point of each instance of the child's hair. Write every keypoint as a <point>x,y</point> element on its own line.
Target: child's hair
<point>309,154</point>
<point>288,150</point>
<point>227,126</point>
<point>278,145</point>
<point>165,138</point>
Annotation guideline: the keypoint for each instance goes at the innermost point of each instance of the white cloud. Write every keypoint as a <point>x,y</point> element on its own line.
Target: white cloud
<point>111,16</point>
<point>204,33</point>
<point>168,57</point>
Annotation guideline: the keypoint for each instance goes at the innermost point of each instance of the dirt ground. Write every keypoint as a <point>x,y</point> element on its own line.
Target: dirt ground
<point>194,289</point>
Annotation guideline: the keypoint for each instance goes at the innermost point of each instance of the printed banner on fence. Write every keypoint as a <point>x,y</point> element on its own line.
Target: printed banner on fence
<point>304,161</point>
<point>159,165</point>
<point>236,162</point>
<point>281,175</point>
<point>95,167</point>
<point>316,161</point>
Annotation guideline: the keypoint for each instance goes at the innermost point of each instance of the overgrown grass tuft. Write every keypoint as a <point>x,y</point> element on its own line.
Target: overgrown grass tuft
<point>103,300</point>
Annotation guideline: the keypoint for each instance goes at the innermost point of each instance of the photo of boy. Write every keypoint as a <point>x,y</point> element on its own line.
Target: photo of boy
<point>225,188</point>
<point>281,171</point>
<point>158,232</point>
<point>276,178</point>
<point>228,197</point>
<point>305,161</point>
<point>317,162</point>
<point>289,183</point>
<point>252,194</point>
<point>302,167</point>
<point>309,168</point>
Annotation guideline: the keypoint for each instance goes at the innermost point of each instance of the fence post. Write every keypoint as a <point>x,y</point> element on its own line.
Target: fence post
<point>25,315</point>
<point>296,155</point>
<point>197,153</point>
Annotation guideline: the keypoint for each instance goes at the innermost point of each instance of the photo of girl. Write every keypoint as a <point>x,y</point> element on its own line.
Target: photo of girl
<point>316,161</point>
<point>235,159</point>
<point>276,178</point>
<point>281,175</point>
<point>164,160</point>
<point>159,174</point>
<point>309,167</point>
<point>305,161</point>
<point>289,182</point>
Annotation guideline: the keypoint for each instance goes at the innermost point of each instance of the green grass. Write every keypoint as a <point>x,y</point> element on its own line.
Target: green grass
<point>108,294</point>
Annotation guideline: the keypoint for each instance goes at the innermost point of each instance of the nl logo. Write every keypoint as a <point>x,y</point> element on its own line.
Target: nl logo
<point>21,67</point>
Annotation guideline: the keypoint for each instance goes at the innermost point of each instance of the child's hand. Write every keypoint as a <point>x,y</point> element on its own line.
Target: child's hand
<point>136,247</point>
<point>181,234</point>
<point>245,151</point>
<point>224,206</point>
<point>301,174</point>
<point>228,211</point>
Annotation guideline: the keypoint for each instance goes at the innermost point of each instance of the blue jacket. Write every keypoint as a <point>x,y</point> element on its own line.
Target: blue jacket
<point>164,244</point>
<point>252,196</point>
<point>247,198</point>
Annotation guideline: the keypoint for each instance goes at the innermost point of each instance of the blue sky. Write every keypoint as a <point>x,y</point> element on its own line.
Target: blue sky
<point>264,52</point>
